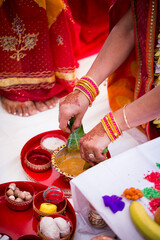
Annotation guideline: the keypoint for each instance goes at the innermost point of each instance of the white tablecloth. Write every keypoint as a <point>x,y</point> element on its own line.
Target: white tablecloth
<point>16,131</point>
<point>112,177</point>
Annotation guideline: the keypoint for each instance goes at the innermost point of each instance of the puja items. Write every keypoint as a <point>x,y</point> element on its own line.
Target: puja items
<point>95,219</point>
<point>50,201</point>
<point>55,227</point>
<point>38,160</point>
<point>4,237</point>
<point>19,196</point>
<point>51,142</point>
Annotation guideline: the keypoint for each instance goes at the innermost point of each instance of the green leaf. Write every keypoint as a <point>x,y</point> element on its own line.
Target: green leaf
<point>74,138</point>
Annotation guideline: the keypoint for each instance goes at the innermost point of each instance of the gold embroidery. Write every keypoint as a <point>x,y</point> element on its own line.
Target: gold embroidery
<point>150,44</point>
<point>29,87</point>
<point>70,76</point>
<point>16,81</point>
<point>138,74</point>
<point>59,40</point>
<point>20,43</point>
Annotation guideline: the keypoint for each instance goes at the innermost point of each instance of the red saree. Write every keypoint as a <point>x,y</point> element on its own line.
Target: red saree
<point>136,76</point>
<point>37,59</point>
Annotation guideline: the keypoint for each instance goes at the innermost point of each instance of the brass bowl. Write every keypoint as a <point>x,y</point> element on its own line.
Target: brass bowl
<point>58,156</point>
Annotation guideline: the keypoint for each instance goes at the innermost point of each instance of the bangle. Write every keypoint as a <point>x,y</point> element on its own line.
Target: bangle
<point>125,118</point>
<point>88,87</point>
<point>85,92</point>
<point>111,127</point>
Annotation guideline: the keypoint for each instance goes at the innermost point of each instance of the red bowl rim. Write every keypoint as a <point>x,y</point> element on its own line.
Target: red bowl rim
<point>38,167</point>
<point>43,213</point>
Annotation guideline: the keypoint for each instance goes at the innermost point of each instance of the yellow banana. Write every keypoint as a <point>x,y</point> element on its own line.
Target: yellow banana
<point>143,222</point>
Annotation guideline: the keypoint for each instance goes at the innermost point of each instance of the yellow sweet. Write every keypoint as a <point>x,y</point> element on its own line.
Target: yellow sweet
<point>48,208</point>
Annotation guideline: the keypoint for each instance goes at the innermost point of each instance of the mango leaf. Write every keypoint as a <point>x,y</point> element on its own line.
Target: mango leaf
<point>74,138</point>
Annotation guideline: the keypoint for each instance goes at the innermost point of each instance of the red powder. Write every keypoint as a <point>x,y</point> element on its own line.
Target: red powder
<point>154,177</point>
<point>154,204</point>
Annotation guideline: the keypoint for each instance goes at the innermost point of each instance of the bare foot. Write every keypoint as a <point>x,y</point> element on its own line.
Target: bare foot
<point>48,104</point>
<point>27,108</point>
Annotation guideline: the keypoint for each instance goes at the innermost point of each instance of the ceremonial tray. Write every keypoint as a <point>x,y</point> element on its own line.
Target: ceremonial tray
<point>49,177</point>
<point>18,224</point>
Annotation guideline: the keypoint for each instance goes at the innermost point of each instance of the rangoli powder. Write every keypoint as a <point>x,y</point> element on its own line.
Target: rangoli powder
<point>153,193</point>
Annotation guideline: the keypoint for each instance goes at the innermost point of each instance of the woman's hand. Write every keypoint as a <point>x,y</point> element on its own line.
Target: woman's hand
<point>93,144</point>
<point>73,105</point>
<point>102,237</point>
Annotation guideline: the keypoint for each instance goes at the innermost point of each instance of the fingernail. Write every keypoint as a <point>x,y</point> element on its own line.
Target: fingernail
<point>14,113</point>
<point>26,114</point>
<point>20,114</point>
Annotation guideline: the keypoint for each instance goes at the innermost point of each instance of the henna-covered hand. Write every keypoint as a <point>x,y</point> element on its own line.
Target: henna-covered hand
<point>75,105</point>
<point>94,143</point>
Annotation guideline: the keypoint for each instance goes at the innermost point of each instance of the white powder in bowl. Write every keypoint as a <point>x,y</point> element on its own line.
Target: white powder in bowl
<point>52,143</point>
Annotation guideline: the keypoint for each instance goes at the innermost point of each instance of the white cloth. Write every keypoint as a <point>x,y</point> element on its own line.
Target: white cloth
<point>112,177</point>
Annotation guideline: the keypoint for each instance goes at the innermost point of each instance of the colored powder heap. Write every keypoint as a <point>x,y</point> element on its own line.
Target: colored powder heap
<point>154,177</point>
<point>158,165</point>
<point>150,193</point>
<point>154,204</point>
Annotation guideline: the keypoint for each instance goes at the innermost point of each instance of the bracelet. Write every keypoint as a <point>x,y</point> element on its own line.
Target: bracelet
<point>85,92</point>
<point>111,127</point>
<point>88,87</point>
<point>89,79</point>
<point>125,118</point>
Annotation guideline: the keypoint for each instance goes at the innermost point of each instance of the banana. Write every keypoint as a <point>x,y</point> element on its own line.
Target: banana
<point>143,222</point>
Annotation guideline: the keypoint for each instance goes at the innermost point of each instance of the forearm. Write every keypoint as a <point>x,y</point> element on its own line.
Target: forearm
<point>115,50</point>
<point>141,111</point>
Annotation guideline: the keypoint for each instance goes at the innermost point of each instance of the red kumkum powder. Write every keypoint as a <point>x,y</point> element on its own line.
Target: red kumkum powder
<point>154,204</point>
<point>154,177</point>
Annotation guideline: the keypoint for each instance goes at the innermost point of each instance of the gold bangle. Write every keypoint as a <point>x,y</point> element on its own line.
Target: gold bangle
<point>125,118</point>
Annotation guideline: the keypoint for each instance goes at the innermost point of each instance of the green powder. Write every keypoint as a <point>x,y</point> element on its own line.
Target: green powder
<point>150,193</point>
<point>158,165</point>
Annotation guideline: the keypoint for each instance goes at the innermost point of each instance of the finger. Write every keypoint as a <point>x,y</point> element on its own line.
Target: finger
<point>77,122</point>
<point>99,156</point>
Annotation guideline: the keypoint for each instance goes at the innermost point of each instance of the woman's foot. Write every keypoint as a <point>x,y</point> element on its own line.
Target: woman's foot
<point>27,108</point>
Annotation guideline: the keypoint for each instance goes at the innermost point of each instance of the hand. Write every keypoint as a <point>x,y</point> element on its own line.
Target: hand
<point>94,143</point>
<point>73,105</point>
<point>102,237</point>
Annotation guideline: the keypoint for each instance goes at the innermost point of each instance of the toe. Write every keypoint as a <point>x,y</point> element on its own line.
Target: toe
<point>41,106</point>
<point>51,103</point>
<point>32,109</point>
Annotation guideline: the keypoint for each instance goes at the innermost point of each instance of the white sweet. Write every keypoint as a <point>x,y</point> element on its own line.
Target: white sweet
<point>52,143</point>
<point>54,227</point>
<point>49,228</point>
<point>63,226</point>
<point>5,237</point>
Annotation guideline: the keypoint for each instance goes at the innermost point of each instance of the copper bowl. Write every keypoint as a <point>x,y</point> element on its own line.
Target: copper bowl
<point>24,205</point>
<point>39,199</point>
<point>68,237</point>
<point>38,160</point>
